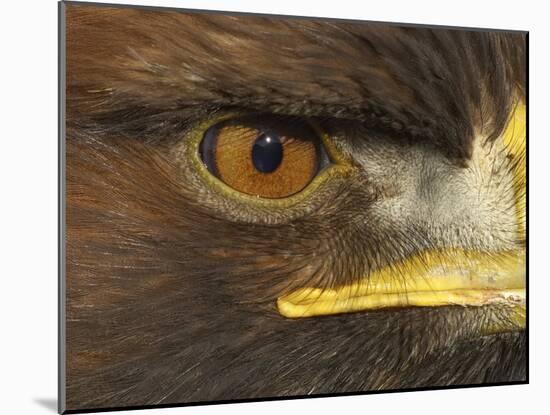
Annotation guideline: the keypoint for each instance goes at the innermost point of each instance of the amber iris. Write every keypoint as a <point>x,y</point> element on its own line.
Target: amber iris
<point>266,157</point>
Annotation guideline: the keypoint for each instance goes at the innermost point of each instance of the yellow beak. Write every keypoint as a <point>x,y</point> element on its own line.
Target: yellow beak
<point>437,278</point>
<point>430,279</point>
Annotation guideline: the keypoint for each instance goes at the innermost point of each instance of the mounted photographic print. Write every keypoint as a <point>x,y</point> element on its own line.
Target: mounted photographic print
<point>261,207</point>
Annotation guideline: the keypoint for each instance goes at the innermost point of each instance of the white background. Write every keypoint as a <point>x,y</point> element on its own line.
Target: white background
<point>28,204</point>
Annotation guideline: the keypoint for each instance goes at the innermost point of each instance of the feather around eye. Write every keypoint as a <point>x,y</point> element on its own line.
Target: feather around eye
<point>263,157</point>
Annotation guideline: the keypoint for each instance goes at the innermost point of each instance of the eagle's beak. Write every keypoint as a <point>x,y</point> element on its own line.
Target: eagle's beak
<point>437,278</point>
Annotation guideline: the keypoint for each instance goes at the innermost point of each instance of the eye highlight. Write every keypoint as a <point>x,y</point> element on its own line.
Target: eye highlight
<point>268,157</point>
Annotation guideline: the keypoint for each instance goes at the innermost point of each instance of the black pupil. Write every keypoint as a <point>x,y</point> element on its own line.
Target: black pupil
<point>267,153</point>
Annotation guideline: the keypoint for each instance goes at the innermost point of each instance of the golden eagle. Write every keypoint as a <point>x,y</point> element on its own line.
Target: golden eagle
<point>265,207</point>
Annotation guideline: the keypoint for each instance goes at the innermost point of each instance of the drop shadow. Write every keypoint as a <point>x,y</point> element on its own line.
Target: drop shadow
<point>48,403</point>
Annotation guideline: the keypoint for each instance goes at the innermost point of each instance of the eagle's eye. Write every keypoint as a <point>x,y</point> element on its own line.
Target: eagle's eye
<point>265,156</point>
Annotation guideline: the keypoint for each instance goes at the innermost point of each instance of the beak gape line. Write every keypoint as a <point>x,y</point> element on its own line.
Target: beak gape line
<point>438,278</point>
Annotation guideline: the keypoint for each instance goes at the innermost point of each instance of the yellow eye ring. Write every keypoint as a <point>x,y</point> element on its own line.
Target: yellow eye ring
<point>339,166</point>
